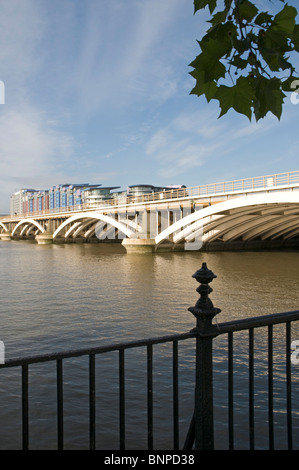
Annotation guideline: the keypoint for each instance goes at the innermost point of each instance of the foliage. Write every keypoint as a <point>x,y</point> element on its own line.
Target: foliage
<point>245,57</point>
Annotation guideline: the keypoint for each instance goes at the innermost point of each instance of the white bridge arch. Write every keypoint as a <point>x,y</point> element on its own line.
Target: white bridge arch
<point>4,227</point>
<point>122,227</point>
<point>267,216</point>
<point>28,222</point>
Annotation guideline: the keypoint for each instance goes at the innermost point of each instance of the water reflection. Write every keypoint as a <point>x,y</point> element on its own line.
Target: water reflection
<point>62,297</point>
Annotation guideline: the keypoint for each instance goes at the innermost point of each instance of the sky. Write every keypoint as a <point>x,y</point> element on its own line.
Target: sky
<point>98,91</point>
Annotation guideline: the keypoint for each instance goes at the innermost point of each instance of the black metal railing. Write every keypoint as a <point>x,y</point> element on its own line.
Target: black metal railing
<point>120,348</point>
<point>200,434</point>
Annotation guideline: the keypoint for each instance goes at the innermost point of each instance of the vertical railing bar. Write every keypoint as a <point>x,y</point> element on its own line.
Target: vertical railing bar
<point>25,407</point>
<point>251,388</point>
<point>175,397</point>
<point>270,388</point>
<point>289,385</point>
<point>230,392</point>
<point>92,402</point>
<point>122,399</point>
<point>150,396</point>
<point>59,404</point>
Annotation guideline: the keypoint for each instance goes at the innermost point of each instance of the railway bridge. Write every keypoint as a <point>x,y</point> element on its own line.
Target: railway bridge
<point>257,212</point>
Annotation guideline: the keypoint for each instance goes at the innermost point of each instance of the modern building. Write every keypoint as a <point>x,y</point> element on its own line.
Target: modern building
<point>23,201</point>
<point>93,196</point>
<point>72,196</point>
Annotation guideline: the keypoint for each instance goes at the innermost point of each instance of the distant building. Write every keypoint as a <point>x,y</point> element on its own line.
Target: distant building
<point>68,196</point>
<point>23,201</point>
<point>140,189</point>
<point>71,196</point>
<point>93,196</point>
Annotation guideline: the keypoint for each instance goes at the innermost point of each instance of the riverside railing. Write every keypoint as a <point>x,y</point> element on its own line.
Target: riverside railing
<point>200,435</point>
<point>266,182</point>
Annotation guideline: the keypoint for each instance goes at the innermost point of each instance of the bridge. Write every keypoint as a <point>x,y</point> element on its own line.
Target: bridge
<point>254,212</point>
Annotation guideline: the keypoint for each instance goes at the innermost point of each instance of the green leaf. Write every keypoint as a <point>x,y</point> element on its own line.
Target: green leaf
<point>285,20</point>
<point>219,17</point>
<point>200,4</point>
<point>248,40</point>
<point>242,45</point>
<point>203,88</point>
<point>222,32</point>
<point>263,19</point>
<point>246,11</point>
<point>211,67</point>
<point>268,97</point>
<point>239,97</point>
<point>208,61</point>
<point>238,62</point>
<point>273,41</point>
<point>295,37</point>
<point>216,48</point>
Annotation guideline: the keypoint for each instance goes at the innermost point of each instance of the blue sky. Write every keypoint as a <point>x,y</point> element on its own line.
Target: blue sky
<point>97,91</point>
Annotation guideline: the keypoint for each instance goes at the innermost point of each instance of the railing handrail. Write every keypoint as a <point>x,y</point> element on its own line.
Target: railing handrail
<point>214,330</point>
<point>95,350</point>
<point>253,322</point>
<point>290,178</point>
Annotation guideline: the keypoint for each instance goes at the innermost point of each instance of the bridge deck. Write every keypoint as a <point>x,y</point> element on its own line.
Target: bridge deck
<point>202,194</point>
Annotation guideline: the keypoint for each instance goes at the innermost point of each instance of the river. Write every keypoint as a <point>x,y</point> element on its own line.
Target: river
<point>66,296</point>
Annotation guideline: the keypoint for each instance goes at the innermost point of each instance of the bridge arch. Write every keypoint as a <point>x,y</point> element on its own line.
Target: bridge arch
<point>3,226</point>
<point>246,216</point>
<point>28,221</point>
<point>95,216</point>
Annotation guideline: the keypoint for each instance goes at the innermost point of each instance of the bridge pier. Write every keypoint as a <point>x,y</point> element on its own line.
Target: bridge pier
<point>139,245</point>
<point>148,245</point>
<point>5,236</point>
<point>44,238</point>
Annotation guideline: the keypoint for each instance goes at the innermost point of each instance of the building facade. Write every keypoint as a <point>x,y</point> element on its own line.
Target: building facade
<point>74,196</point>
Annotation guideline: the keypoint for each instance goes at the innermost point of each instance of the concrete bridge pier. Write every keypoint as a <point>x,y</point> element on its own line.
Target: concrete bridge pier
<point>145,241</point>
<point>139,245</point>
<point>6,236</point>
<point>44,238</point>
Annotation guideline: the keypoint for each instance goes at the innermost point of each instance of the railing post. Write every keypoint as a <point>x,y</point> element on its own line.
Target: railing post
<point>204,311</point>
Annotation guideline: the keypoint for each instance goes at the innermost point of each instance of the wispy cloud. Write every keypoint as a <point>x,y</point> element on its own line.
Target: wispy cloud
<point>196,138</point>
<point>121,54</point>
<point>32,146</point>
<point>29,148</point>
<point>184,144</point>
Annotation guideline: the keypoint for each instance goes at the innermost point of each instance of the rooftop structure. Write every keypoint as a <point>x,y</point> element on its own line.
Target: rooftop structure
<point>71,196</point>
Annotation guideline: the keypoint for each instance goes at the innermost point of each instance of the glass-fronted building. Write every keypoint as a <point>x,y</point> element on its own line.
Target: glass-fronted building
<point>77,196</point>
<point>68,196</point>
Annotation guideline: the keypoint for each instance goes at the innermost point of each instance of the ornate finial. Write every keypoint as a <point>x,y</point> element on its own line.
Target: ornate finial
<point>204,310</point>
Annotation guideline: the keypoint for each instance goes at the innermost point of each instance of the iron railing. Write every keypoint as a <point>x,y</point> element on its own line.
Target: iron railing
<point>201,430</point>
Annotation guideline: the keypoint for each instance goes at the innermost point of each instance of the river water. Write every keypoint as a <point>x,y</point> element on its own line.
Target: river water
<point>67,296</point>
